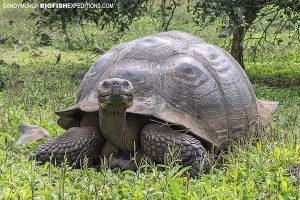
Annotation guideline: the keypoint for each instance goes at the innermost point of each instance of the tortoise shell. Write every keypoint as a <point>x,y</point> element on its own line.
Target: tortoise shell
<point>182,80</point>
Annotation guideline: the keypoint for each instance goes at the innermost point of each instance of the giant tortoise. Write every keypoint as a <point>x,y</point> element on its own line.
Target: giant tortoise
<point>163,90</point>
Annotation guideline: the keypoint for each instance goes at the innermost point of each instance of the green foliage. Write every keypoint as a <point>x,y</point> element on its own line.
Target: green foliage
<point>119,14</point>
<point>162,13</point>
<point>243,12</point>
<point>4,79</point>
<point>267,167</point>
<point>281,69</point>
<point>260,20</point>
<point>266,170</point>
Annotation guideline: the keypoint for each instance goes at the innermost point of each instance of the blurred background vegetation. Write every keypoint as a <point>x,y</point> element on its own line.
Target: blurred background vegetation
<point>250,30</point>
<point>43,57</point>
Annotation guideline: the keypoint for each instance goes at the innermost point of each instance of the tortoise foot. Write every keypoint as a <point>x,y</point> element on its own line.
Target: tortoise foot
<point>157,141</point>
<point>74,145</point>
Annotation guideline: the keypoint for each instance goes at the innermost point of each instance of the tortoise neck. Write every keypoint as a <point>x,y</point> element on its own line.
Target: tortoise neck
<point>113,126</point>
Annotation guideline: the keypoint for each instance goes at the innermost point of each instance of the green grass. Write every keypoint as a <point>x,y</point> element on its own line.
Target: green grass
<point>280,69</point>
<point>266,169</point>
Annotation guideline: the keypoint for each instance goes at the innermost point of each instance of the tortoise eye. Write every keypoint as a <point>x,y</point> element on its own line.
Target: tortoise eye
<point>125,84</point>
<point>105,84</point>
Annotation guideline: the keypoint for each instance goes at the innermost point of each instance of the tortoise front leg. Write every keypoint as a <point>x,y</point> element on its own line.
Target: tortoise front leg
<point>75,144</point>
<point>156,141</point>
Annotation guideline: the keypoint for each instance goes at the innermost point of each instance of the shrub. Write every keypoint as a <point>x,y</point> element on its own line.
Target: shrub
<point>4,79</point>
<point>279,70</point>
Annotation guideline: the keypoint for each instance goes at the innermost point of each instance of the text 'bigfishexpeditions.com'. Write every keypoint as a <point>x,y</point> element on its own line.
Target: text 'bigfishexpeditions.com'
<point>59,5</point>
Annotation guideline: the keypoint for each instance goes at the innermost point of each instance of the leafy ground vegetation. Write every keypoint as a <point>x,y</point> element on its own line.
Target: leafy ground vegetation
<point>34,83</point>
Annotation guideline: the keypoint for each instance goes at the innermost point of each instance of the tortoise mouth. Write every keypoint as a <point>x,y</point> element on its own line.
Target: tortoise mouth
<point>112,98</point>
<point>115,102</point>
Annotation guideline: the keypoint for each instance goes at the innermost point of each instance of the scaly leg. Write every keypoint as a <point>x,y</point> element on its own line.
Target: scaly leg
<point>156,138</point>
<point>75,144</point>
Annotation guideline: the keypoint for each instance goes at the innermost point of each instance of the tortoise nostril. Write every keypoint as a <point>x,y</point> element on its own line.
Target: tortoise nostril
<point>116,84</point>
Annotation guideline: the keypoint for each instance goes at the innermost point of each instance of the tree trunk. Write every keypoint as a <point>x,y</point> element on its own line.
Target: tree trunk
<point>163,15</point>
<point>237,46</point>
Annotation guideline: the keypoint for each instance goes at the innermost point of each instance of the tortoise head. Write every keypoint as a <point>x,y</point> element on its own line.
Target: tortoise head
<point>115,94</point>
